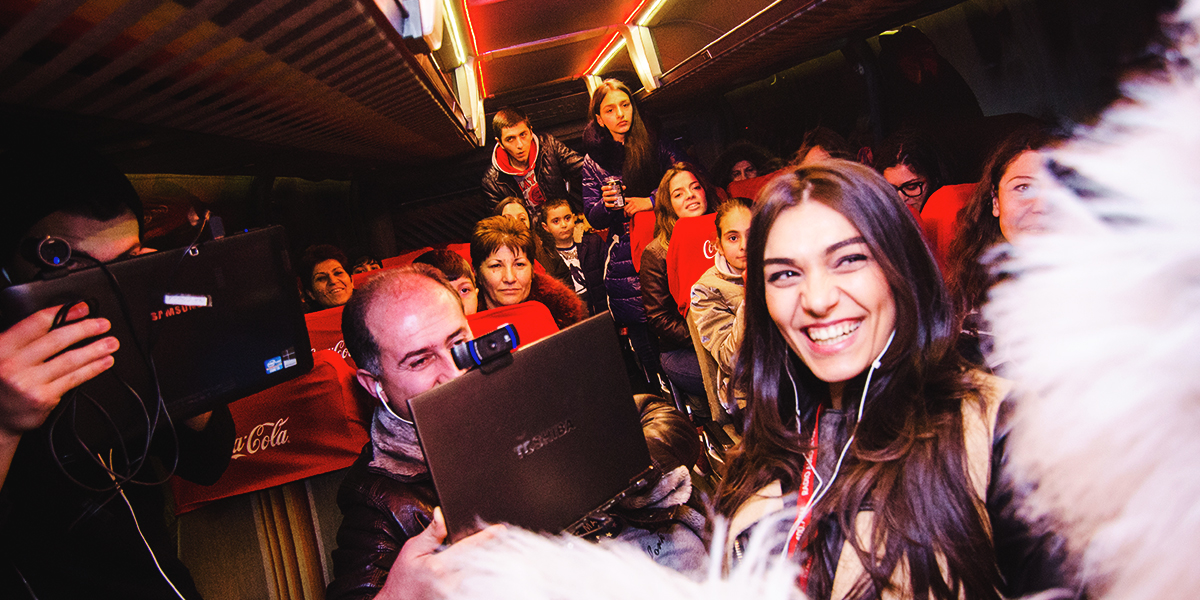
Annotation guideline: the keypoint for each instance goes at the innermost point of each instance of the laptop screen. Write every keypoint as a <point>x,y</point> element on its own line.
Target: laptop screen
<point>540,442</point>
<point>220,323</point>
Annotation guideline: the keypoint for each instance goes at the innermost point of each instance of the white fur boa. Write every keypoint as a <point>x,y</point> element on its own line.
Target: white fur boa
<point>1102,324</point>
<point>520,565</point>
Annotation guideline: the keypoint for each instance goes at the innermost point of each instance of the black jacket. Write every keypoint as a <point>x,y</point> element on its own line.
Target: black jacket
<point>662,314</point>
<point>68,542</point>
<point>1031,559</point>
<point>381,510</point>
<point>555,166</point>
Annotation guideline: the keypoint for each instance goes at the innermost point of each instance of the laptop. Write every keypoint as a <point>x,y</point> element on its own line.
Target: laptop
<point>541,442</point>
<point>221,323</point>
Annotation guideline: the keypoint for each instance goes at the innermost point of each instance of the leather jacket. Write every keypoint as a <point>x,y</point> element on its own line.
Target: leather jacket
<point>555,166</point>
<point>380,511</point>
<point>662,314</point>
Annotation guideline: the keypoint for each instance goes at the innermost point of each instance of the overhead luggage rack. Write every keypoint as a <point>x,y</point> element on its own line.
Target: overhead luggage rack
<point>785,33</point>
<point>305,82</point>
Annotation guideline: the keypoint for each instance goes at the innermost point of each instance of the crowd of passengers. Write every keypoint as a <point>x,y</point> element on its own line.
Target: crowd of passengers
<point>846,355</point>
<point>850,314</point>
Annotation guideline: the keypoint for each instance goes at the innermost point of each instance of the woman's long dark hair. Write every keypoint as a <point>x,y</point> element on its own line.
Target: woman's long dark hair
<point>908,459</point>
<point>978,229</point>
<point>664,211</point>
<point>639,171</point>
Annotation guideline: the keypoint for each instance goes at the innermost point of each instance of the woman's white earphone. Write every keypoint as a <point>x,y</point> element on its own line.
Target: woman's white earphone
<point>823,486</point>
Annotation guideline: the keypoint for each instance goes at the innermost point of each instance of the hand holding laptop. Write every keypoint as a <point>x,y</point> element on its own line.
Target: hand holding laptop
<point>421,571</point>
<point>34,376</point>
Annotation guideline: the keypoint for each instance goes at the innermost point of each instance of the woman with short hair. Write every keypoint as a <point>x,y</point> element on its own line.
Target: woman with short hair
<point>327,281</point>
<point>501,252</point>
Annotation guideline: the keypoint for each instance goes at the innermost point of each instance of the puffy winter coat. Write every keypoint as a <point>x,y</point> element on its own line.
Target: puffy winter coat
<point>607,157</point>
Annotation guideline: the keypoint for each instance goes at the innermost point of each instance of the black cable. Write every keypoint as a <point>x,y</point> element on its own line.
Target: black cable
<point>132,464</point>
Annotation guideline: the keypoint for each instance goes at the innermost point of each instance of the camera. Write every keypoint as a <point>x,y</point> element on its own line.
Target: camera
<point>484,349</point>
<point>45,252</point>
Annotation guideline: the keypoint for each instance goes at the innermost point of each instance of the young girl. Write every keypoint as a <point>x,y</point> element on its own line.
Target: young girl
<point>619,144</point>
<point>683,192</point>
<point>716,300</point>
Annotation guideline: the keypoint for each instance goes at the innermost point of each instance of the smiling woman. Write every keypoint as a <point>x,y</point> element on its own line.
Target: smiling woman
<point>683,192</point>
<point>327,281</point>
<point>1003,207</point>
<point>857,397</point>
<point>501,252</point>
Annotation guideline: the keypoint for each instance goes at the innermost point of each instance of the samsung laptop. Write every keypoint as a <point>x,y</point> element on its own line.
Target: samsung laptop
<point>540,442</point>
<point>220,322</point>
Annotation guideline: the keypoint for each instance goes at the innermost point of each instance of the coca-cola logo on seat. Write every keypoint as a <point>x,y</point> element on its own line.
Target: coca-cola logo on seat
<point>710,251</point>
<point>339,347</point>
<point>263,436</point>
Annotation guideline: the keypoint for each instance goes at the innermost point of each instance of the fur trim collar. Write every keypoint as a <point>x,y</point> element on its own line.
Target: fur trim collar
<point>607,152</point>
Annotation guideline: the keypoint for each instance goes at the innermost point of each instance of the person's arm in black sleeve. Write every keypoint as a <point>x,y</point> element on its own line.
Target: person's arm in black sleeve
<point>570,162</point>
<point>204,453</point>
<point>593,202</point>
<point>493,191</point>
<point>662,314</point>
<point>1030,560</point>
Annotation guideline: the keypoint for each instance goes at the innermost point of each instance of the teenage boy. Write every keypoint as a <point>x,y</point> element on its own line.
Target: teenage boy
<point>532,167</point>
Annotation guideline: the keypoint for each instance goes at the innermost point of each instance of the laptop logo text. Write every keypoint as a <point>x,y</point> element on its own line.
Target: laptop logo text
<point>543,439</point>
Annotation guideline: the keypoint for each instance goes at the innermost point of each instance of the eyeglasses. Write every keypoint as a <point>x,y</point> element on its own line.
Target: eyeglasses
<point>911,189</point>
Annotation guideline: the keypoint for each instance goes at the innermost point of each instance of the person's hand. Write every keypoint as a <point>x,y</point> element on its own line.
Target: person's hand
<point>609,194</point>
<point>637,205</point>
<point>421,572</point>
<point>198,422</point>
<point>33,378</point>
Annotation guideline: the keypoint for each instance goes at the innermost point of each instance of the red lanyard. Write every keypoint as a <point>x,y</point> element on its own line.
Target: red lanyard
<point>804,495</point>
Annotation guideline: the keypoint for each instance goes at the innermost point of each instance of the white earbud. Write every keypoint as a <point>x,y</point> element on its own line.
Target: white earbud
<point>383,399</point>
<point>822,486</point>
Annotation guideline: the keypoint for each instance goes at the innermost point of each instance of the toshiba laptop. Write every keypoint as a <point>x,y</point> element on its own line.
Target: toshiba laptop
<point>221,322</point>
<point>540,442</point>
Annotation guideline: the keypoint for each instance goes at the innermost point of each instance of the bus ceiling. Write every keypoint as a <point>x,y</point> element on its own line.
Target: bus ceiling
<point>322,88</point>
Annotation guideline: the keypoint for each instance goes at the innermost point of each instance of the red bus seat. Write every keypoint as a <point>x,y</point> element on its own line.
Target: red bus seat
<point>404,259</point>
<point>462,248</point>
<point>325,332</point>
<point>939,218</point>
<point>310,425</point>
<point>641,233</point>
<point>691,253</point>
<point>749,188</point>
<point>532,320</point>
